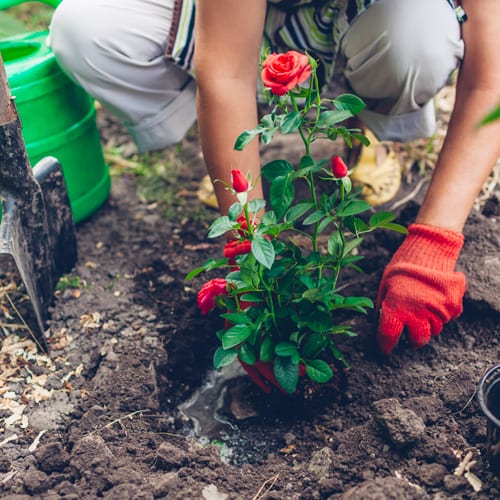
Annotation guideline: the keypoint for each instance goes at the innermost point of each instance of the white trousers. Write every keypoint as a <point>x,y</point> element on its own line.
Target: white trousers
<point>399,53</point>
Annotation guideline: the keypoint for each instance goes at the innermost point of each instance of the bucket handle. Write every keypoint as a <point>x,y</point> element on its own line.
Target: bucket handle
<point>5,4</point>
<point>482,395</point>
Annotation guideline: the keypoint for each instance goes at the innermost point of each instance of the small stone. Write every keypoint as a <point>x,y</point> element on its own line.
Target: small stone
<point>211,492</point>
<point>36,482</point>
<point>240,405</point>
<point>164,484</point>
<point>51,457</point>
<point>127,491</point>
<point>454,483</point>
<point>403,426</point>
<point>90,453</point>
<point>432,474</point>
<point>170,457</point>
<point>388,488</point>
<point>321,463</point>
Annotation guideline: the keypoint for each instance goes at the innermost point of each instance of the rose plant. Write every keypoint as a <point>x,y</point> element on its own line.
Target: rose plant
<point>280,296</point>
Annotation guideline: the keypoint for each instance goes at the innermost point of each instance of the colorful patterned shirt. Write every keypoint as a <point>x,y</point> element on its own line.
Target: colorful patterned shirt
<point>312,26</point>
<point>315,26</point>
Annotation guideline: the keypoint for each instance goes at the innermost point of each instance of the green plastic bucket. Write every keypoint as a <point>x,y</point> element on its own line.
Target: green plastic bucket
<point>58,119</point>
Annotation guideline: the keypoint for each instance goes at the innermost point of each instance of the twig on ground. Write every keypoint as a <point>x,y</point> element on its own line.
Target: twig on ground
<point>119,420</point>
<point>469,401</point>
<point>32,335</point>
<point>266,487</point>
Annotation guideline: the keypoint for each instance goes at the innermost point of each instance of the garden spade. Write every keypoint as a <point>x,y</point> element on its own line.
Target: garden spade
<point>37,228</point>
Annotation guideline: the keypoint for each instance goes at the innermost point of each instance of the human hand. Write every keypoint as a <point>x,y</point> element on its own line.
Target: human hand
<point>419,289</point>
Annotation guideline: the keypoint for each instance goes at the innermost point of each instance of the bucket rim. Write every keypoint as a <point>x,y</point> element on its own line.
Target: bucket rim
<point>484,383</point>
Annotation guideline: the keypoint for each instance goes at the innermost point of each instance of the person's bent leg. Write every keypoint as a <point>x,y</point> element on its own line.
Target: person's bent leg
<point>115,51</point>
<point>399,54</point>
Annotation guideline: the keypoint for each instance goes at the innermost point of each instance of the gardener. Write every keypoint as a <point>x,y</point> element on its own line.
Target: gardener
<point>398,54</point>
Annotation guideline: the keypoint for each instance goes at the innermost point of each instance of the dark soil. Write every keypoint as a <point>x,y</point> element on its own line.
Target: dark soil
<point>128,346</point>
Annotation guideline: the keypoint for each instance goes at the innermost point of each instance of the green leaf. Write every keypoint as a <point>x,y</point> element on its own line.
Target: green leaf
<point>207,266</point>
<point>318,370</point>
<point>347,183</point>
<point>256,205</point>
<point>358,301</point>
<point>335,244</point>
<point>319,321</point>
<point>276,168</point>
<point>234,211</point>
<point>361,138</point>
<point>223,357</point>
<point>358,225</point>
<point>291,122</point>
<point>306,161</point>
<point>281,195</point>
<point>269,218</point>
<point>491,117</point>
<point>297,211</point>
<point>285,349</point>
<point>324,223</point>
<point>381,218</point>
<point>237,318</point>
<point>267,136</point>
<point>351,245</point>
<point>220,226</point>
<point>251,297</point>
<point>263,251</point>
<point>313,218</point>
<point>267,350</point>
<point>337,354</point>
<point>235,336</point>
<point>247,354</point>
<point>352,208</point>
<point>246,138</point>
<point>396,227</point>
<point>329,118</point>
<point>267,121</point>
<point>313,345</point>
<point>349,102</point>
<point>287,374</point>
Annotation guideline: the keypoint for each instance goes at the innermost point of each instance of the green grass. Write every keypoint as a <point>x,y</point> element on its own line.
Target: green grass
<point>29,16</point>
<point>159,178</point>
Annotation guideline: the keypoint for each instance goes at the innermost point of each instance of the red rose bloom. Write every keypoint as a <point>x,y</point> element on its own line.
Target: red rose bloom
<point>282,72</point>
<point>238,181</point>
<point>339,168</point>
<point>208,292</point>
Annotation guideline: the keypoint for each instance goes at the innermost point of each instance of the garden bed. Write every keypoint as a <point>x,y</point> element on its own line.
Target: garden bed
<point>99,415</point>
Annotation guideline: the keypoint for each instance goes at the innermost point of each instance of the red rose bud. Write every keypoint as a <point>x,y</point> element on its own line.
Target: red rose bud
<point>282,72</point>
<point>238,181</point>
<point>208,292</point>
<point>339,168</point>
<point>236,247</point>
<point>243,225</point>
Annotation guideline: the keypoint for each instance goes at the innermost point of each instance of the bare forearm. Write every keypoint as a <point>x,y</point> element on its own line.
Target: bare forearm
<point>225,109</point>
<point>468,156</point>
<point>469,152</point>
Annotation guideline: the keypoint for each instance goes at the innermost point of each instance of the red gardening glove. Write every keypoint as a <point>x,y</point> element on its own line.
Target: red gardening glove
<point>262,372</point>
<point>419,288</point>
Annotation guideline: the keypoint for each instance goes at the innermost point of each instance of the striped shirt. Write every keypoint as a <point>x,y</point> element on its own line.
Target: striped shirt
<point>315,26</point>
